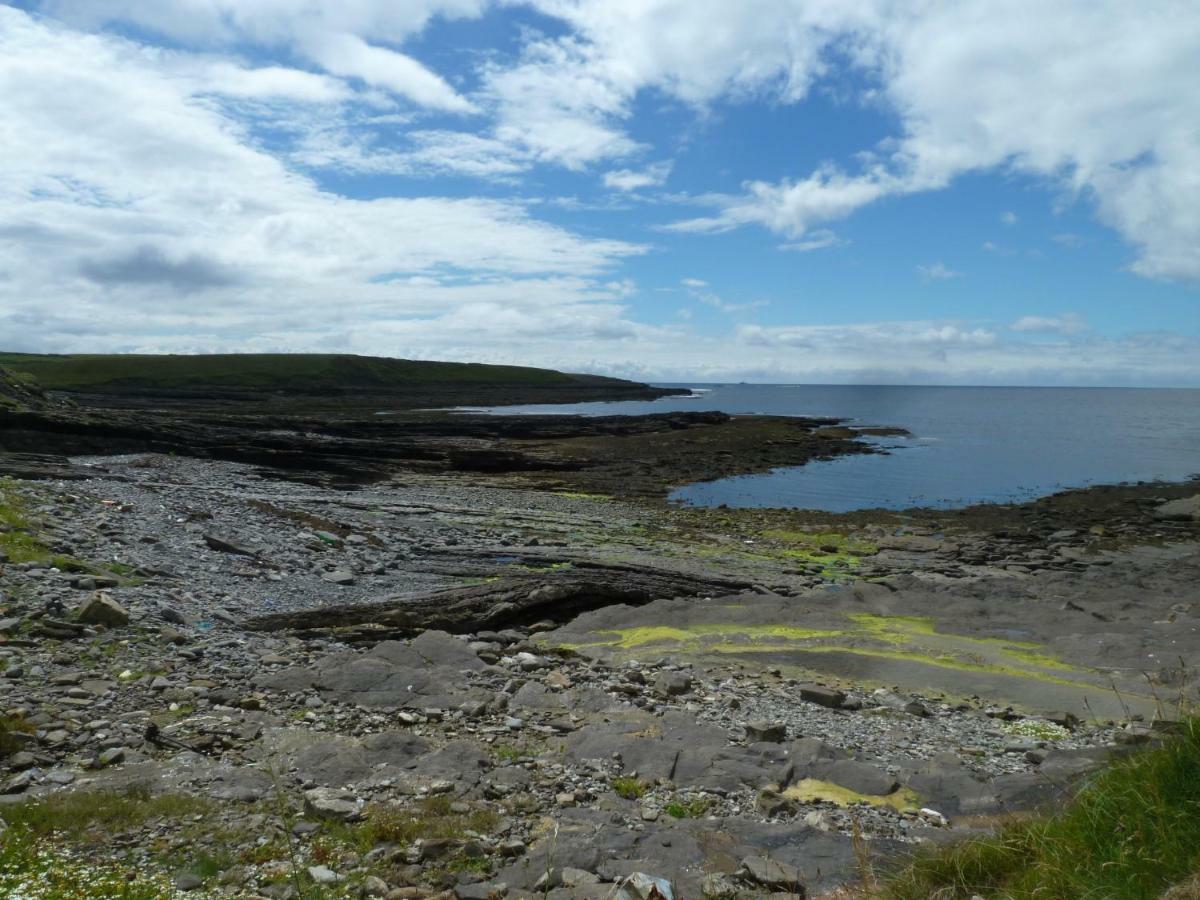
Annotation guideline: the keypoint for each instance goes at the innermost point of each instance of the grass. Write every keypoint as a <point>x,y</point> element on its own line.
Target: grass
<point>49,851</point>
<point>509,753</point>
<point>43,869</point>
<point>430,819</point>
<point>629,788</point>
<point>19,540</point>
<point>687,808</point>
<point>79,815</point>
<point>1131,833</point>
<point>273,371</point>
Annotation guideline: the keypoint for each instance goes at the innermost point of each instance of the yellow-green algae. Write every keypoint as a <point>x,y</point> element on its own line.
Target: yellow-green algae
<point>813,790</point>
<point>628,638</point>
<point>904,639</point>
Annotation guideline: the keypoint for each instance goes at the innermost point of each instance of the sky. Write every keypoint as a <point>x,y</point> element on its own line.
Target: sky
<point>958,192</point>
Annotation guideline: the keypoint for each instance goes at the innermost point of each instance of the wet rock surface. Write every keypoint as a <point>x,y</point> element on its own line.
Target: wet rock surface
<point>726,725</point>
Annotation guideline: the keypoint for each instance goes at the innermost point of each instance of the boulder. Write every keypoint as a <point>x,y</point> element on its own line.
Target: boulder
<point>767,732</point>
<point>772,875</point>
<point>327,803</point>
<point>1185,509</point>
<point>822,696</point>
<point>100,609</point>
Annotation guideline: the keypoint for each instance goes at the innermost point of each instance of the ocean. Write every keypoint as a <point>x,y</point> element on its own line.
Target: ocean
<point>968,444</point>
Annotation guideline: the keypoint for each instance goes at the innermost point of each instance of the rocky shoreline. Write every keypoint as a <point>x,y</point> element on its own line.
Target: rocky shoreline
<point>492,684</point>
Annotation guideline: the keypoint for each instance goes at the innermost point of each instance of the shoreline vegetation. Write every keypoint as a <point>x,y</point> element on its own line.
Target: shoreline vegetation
<point>256,641</point>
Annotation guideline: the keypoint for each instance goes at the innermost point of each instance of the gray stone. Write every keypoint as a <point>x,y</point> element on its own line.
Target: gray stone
<point>188,881</point>
<point>323,875</point>
<point>111,757</point>
<point>374,886</point>
<point>18,783</point>
<point>769,732</point>
<point>1186,509</point>
<point>100,609</point>
<point>822,696</point>
<point>860,777</point>
<point>673,683</point>
<point>770,874</point>
<point>327,803</point>
<point>19,762</point>
<point>228,545</point>
<point>339,577</point>
<point>480,890</point>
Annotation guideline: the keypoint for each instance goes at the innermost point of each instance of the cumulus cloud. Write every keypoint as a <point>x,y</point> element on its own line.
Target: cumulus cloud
<point>630,180</point>
<point>1092,97</point>
<point>327,33</point>
<point>147,219</point>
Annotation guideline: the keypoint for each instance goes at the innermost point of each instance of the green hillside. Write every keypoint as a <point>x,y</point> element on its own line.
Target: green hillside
<point>297,373</point>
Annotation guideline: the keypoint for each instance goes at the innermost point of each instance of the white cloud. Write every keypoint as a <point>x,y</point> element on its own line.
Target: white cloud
<point>821,239</point>
<point>1093,97</point>
<point>330,33</point>
<point>1008,217</point>
<point>630,180</point>
<point>350,147</point>
<point>937,271</point>
<point>136,215</point>
<point>699,291</point>
<point>1067,323</point>
<point>351,56</point>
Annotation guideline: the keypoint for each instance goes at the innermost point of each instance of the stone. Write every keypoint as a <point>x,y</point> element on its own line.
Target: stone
<point>822,696</point>
<point>327,803</point>
<point>111,757</point>
<point>374,886</point>
<point>19,762</point>
<point>188,881</point>
<point>480,890</point>
<point>100,609</point>
<point>640,886</point>
<point>18,783</point>
<point>228,545</point>
<point>323,875</point>
<point>576,877</point>
<point>768,732</point>
<point>771,874</point>
<point>340,577</point>
<point>918,709</point>
<point>673,684</point>
<point>1186,509</point>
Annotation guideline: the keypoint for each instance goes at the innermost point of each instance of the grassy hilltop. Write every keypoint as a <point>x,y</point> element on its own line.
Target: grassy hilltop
<point>273,371</point>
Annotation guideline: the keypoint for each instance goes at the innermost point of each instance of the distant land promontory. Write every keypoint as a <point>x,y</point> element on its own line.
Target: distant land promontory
<point>398,383</point>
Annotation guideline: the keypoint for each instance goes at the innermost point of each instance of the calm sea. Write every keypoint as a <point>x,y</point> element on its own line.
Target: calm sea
<point>968,444</point>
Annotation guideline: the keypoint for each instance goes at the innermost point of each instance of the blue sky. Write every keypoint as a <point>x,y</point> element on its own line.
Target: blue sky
<point>778,190</point>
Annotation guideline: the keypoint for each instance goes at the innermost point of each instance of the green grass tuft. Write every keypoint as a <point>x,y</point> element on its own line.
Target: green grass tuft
<point>689,808</point>
<point>629,788</point>
<point>1131,833</point>
<point>76,814</point>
